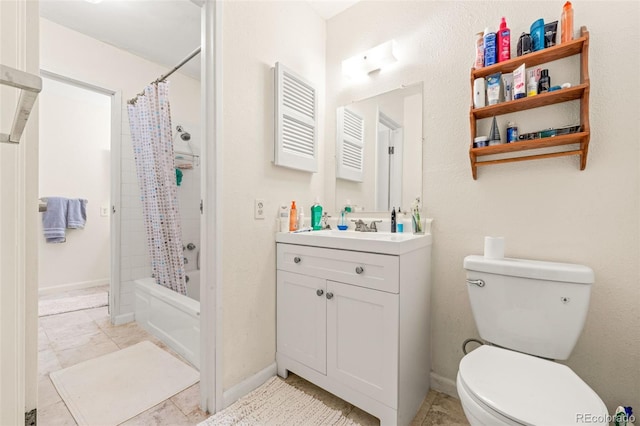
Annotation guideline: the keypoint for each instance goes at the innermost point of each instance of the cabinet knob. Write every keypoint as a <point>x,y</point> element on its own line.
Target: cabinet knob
<point>329,295</point>
<point>297,259</point>
<point>319,292</point>
<point>359,269</point>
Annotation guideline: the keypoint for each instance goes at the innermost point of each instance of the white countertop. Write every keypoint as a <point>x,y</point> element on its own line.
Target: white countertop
<point>374,242</point>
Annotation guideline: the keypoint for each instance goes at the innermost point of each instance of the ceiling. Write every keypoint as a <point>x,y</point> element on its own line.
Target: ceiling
<point>162,31</point>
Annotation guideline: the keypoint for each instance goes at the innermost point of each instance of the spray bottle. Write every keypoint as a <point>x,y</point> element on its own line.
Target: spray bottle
<point>504,41</point>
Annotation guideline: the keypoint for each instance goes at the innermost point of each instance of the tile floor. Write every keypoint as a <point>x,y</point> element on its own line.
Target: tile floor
<point>69,338</point>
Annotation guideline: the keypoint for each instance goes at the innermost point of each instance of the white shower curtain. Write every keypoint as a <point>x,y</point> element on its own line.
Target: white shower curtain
<point>151,136</point>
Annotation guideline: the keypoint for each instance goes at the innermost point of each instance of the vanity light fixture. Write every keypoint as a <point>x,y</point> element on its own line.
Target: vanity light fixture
<point>371,60</point>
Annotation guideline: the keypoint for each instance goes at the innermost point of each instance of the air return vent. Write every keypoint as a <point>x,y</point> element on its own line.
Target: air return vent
<point>350,148</point>
<point>296,121</point>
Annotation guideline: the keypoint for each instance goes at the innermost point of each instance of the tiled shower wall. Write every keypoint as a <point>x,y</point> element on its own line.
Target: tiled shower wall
<point>134,257</point>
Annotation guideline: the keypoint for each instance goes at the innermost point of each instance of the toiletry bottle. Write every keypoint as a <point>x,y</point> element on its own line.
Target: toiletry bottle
<point>284,218</point>
<point>293,217</point>
<point>479,63</point>
<point>512,132</point>
<point>545,82</point>
<point>479,93</point>
<point>490,52</point>
<point>504,41</point>
<point>347,207</point>
<point>316,215</point>
<point>400,221</point>
<point>567,22</point>
<point>393,220</point>
<point>300,218</point>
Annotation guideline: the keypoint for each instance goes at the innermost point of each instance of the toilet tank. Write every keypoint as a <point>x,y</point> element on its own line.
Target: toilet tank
<point>530,306</point>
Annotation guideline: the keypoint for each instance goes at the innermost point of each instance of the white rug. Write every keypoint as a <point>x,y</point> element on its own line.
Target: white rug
<point>277,403</point>
<point>69,304</point>
<point>113,388</point>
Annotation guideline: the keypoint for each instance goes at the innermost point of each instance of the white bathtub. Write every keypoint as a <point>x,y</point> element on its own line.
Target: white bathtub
<point>170,316</point>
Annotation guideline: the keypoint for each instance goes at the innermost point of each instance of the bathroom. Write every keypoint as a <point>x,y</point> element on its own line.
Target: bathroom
<point>546,209</point>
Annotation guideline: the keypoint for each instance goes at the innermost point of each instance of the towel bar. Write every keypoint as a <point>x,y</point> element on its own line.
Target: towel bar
<point>30,85</point>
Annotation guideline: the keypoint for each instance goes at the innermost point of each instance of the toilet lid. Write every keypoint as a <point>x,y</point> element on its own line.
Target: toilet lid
<point>529,390</point>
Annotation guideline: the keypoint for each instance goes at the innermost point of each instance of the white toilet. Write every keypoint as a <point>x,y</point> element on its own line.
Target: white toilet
<point>533,312</point>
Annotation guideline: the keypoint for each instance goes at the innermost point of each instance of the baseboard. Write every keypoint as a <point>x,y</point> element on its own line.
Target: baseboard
<point>236,392</point>
<point>444,385</point>
<point>72,286</point>
<point>124,318</point>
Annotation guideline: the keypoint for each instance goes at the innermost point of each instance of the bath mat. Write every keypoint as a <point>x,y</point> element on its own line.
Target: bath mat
<point>278,403</point>
<point>113,388</point>
<point>74,303</point>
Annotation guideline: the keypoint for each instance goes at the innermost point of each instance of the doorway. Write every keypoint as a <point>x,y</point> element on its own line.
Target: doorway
<point>389,153</point>
<point>78,162</point>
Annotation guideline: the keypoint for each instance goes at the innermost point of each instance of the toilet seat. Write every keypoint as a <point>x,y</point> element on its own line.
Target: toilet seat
<point>528,390</point>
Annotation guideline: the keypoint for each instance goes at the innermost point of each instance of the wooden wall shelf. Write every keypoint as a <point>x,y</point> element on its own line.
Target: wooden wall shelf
<point>580,92</point>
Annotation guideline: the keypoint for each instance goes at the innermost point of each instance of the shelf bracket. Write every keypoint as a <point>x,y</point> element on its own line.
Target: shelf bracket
<point>30,85</point>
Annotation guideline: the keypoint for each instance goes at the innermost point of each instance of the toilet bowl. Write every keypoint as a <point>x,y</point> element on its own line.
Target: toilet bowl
<point>502,387</point>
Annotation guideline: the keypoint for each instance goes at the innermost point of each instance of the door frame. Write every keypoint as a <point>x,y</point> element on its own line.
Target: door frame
<point>115,179</point>
<point>211,348</point>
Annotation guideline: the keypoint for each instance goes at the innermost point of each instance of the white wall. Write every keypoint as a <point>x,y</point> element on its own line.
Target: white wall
<point>75,136</point>
<point>74,55</point>
<point>256,36</point>
<point>546,209</point>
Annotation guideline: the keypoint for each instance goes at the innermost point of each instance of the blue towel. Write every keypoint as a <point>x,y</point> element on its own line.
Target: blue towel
<point>76,213</point>
<point>54,220</point>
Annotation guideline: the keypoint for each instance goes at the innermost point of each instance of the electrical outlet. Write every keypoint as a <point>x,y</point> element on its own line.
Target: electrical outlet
<point>104,211</point>
<point>259,209</point>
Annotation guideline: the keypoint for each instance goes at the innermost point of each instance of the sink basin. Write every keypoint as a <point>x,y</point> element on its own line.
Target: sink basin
<point>375,242</point>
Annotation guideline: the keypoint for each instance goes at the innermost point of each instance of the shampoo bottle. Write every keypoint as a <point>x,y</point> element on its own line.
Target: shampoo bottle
<point>567,23</point>
<point>490,52</point>
<point>393,220</point>
<point>293,217</point>
<point>479,63</point>
<point>504,41</point>
<point>316,215</point>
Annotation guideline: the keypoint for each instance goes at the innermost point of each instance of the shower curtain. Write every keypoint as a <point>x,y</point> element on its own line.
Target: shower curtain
<point>150,123</point>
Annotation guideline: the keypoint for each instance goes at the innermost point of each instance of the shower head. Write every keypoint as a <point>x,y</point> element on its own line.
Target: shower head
<point>185,136</point>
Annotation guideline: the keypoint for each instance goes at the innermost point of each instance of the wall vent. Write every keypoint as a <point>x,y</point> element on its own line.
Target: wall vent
<point>350,145</point>
<point>296,121</point>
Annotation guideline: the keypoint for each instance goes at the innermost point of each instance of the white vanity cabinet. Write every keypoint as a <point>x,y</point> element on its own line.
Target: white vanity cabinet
<point>356,323</point>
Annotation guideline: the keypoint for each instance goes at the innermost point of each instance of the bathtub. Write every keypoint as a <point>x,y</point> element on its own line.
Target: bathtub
<point>170,316</point>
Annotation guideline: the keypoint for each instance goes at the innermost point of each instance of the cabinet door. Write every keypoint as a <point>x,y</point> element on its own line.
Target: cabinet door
<point>362,340</point>
<point>301,319</point>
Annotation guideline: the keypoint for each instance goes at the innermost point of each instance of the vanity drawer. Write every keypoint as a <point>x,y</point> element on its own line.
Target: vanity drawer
<point>375,271</point>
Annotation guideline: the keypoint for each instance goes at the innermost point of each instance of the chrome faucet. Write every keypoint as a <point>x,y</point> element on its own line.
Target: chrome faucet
<point>362,227</point>
<point>372,227</point>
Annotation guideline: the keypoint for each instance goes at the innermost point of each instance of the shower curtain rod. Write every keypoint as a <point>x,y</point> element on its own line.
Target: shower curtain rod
<point>174,69</point>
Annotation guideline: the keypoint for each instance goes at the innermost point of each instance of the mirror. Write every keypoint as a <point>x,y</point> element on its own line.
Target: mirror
<point>379,151</point>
